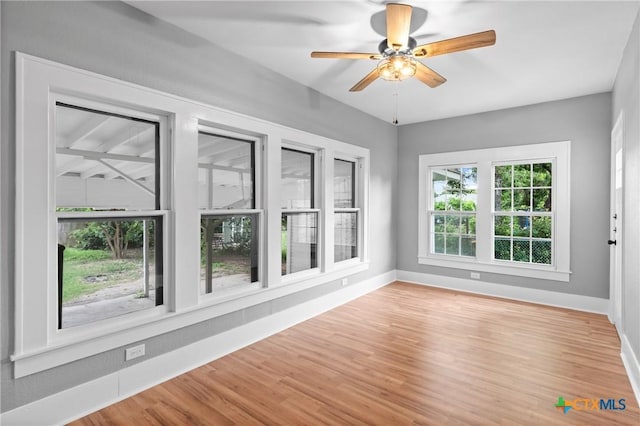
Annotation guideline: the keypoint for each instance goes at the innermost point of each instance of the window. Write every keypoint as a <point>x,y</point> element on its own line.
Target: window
<point>157,206</point>
<point>523,212</point>
<point>345,210</point>
<point>299,237</point>
<point>453,211</point>
<point>229,223</point>
<point>500,210</point>
<point>107,203</point>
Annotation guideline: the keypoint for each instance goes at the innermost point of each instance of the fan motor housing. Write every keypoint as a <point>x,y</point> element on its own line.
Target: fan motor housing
<point>385,50</point>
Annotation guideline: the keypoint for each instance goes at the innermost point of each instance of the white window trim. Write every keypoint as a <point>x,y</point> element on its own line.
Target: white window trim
<point>34,348</point>
<point>484,159</point>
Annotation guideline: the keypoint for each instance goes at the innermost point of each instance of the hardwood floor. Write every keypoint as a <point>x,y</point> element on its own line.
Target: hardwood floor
<point>405,354</point>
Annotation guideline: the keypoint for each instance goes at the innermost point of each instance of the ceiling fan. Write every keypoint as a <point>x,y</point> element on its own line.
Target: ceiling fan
<point>398,52</point>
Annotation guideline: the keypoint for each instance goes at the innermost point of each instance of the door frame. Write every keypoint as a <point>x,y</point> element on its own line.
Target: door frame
<point>616,223</point>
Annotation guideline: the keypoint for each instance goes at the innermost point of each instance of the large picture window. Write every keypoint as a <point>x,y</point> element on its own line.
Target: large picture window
<point>500,210</point>
<point>109,241</point>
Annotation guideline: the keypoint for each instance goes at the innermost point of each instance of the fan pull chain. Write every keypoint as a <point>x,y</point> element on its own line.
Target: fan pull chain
<point>395,103</point>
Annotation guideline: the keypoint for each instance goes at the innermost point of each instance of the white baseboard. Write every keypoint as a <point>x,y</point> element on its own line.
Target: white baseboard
<point>86,398</point>
<point>631,364</point>
<point>543,297</point>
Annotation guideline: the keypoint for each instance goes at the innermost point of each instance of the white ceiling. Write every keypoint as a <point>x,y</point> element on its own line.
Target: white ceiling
<point>545,50</point>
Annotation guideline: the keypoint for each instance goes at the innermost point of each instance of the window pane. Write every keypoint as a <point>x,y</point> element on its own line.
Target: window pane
<point>228,252</point>
<point>452,244</point>
<point>225,172</point>
<point>299,242</point>
<point>522,200</point>
<point>438,223</point>
<point>469,179</point>
<point>522,176</point>
<point>521,226</point>
<point>503,200</point>
<point>107,268</point>
<point>297,179</point>
<point>438,243</point>
<point>542,174</point>
<point>468,246</point>
<point>502,249</point>
<point>503,176</point>
<point>541,252</point>
<point>346,236</point>
<point>468,225</point>
<point>542,200</point>
<point>502,226</point>
<point>541,227</point>
<point>439,183</point>
<point>344,183</point>
<point>452,224</point>
<point>521,250</point>
<point>105,160</point>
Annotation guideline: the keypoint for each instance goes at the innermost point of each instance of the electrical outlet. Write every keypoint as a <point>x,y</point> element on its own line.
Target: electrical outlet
<point>475,275</point>
<point>134,352</point>
<point>345,281</point>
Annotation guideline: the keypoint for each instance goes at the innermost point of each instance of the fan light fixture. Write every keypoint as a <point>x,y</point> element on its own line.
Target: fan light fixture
<point>397,67</point>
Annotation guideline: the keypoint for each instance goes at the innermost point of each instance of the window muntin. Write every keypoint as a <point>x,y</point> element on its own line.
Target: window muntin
<point>226,172</point>
<point>523,212</point>
<point>453,210</point>
<point>108,265</point>
<point>299,221</point>
<point>345,217</point>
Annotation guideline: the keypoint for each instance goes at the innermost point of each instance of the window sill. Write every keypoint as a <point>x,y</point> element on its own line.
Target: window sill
<point>60,353</point>
<point>530,271</point>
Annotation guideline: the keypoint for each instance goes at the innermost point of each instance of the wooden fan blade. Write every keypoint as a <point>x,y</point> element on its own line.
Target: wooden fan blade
<point>365,81</point>
<point>345,55</point>
<point>398,25</point>
<point>428,76</point>
<point>471,41</point>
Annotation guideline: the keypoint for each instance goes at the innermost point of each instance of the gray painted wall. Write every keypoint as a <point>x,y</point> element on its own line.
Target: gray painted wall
<point>626,97</point>
<point>119,41</point>
<point>586,121</point>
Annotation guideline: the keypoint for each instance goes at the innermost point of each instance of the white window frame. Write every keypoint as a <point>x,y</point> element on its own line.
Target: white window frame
<point>258,211</point>
<point>317,208</point>
<point>558,153</point>
<point>38,345</point>
<point>432,212</point>
<point>357,195</point>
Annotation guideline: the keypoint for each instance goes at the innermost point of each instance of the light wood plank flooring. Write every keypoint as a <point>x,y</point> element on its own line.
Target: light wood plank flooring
<point>405,354</point>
